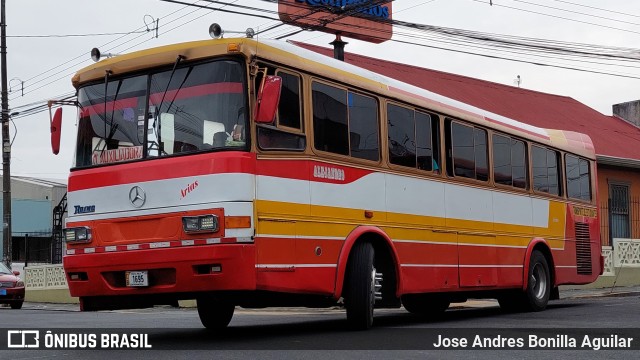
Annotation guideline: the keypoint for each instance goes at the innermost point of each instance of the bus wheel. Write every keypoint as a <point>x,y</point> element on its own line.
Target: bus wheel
<point>539,284</point>
<point>360,287</point>
<point>214,314</point>
<point>536,296</point>
<point>424,305</point>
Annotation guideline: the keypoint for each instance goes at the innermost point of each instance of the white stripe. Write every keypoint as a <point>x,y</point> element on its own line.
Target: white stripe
<point>213,241</point>
<point>463,266</point>
<point>133,247</point>
<point>244,240</point>
<point>429,265</point>
<point>387,81</point>
<point>491,266</point>
<point>188,242</point>
<point>162,244</point>
<point>71,252</point>
<point>467,244</point>
<point>89,250</point>
<point>567,266</point>
<point>460,244</point>
<point>270,266</point>
<point>110,248</point>
<point>302,237</point>
<point>164,196</point>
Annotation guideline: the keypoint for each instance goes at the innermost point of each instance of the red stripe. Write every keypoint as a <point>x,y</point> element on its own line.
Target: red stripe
<point>310,170</point>
<point>111,106</point>
<point>161,169</point>
<point>199,90</point>
<point>434,102</point>
<point>170,96</point>
<point>517,128</point>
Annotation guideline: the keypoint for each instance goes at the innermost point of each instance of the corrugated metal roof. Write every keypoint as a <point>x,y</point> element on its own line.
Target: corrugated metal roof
<point>41,181</point>
<point>611,136</point>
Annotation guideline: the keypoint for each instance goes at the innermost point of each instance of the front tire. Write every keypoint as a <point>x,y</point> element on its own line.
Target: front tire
<point>16,305</point>
<point>359,291</point>
<point>214,313</point>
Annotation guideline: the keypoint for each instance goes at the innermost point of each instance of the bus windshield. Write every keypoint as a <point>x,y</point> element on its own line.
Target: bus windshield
<point>192,108</point>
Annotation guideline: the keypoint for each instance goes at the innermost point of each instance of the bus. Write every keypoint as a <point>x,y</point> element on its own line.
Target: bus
<point>256,174</point>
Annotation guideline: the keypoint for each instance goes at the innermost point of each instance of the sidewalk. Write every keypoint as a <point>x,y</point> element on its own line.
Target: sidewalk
<point>473,303</point>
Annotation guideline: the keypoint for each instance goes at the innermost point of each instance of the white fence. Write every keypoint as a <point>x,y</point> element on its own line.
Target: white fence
<point>43,277</point>
<point>627,252</point>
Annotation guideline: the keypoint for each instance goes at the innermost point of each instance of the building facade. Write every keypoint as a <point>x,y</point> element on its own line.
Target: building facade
<point>34,203</point>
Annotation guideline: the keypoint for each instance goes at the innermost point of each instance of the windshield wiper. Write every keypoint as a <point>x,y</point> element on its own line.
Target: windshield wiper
<point>112,127</point>
<point>159,111</point>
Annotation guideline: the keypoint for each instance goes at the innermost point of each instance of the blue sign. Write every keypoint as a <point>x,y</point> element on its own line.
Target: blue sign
<point>84,209</point>
<point>365,6</point>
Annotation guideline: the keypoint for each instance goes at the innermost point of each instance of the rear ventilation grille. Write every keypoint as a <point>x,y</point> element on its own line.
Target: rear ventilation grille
<point>583,249</point>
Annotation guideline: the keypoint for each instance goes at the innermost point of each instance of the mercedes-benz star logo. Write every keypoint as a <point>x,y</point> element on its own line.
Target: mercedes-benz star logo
<point>137,197</point>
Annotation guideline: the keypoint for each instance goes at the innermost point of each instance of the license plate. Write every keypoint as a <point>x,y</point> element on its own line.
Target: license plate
<point>3,291</point>
<point>137,278</point>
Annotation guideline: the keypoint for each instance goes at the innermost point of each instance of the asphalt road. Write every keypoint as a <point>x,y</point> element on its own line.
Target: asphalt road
<point>318,334</point>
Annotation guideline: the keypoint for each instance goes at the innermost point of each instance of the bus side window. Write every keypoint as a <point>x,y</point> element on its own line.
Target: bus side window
<point>467,151</point>
<point>286,133</point>
<point>289,109</point>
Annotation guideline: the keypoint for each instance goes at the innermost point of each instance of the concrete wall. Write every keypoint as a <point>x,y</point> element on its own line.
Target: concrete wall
<point>629,112</point>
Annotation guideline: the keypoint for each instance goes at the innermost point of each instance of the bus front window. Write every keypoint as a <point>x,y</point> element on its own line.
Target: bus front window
<point>194,108</point>
<point>112,135</point>
<point>197,108</point>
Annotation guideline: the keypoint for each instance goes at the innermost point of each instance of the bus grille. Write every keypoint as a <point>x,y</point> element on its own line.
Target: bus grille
<point>583,249</point>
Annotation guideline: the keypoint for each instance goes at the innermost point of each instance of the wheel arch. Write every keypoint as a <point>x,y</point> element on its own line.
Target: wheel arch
<point>542,246</point>
<point>380,241</point>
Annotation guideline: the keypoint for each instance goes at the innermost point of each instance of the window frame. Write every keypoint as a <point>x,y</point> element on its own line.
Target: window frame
<point>449,122</point>
<point>527,163</point>
<point>436,139</point>
<point>312,144</point>
<point>301,130</point>
<point>566,177</point>
<point>559,167</point>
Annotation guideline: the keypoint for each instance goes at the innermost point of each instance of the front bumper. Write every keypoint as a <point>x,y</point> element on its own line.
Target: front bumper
<point>171,270</point>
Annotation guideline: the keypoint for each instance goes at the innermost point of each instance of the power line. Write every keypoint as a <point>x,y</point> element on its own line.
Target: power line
<point>75,35</point>
<point>576,12</point>
<point>44,106</point>
<point>597,8</point>
<point>560,17</point>
<point>85,57</point>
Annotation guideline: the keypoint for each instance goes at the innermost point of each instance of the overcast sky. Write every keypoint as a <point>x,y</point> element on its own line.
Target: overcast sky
<point>47,64</point>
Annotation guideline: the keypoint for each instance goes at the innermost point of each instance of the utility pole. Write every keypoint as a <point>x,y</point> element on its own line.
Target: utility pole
<point>6,145</point>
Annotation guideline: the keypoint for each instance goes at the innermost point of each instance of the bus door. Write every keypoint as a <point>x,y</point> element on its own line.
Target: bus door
<point>477,260</point>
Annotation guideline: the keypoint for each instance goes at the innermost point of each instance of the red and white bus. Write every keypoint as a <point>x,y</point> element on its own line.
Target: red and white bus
<point>252,174</point>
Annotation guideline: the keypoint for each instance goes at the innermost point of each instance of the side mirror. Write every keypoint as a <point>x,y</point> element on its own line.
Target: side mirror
<point>56,131</point>
<point>16,273</point>
<point>268,99</point>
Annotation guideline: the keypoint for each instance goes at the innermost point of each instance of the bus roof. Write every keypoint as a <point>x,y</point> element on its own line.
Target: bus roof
<point>323,66</point>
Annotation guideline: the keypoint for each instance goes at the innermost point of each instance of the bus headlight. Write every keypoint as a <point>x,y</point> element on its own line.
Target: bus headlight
<point>203,223</point>
<point>77,235</point>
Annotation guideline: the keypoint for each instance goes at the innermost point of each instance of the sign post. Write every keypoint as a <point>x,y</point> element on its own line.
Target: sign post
<point>365,20</point>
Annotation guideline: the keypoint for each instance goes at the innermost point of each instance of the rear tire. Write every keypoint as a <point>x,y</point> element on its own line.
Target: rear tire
<point>539,283</point>
<point>214,313</point>
<point>536,296</point>
<point>16,305</point>
<point>359,291</point>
